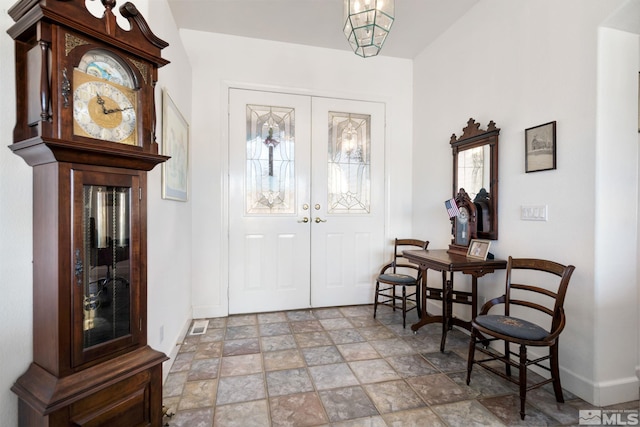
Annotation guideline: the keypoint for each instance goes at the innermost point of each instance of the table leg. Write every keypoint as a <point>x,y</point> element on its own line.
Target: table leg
<point>447,307</point>
<point>425,317</point>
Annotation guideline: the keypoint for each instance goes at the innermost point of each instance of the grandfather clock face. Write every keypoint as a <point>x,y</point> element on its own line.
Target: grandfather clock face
<point>105,102</point>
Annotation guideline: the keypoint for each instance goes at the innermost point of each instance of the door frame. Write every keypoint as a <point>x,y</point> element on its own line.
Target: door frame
<point>226,86</point>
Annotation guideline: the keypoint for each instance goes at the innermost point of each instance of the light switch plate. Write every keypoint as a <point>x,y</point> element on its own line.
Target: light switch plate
<point>533,213</point>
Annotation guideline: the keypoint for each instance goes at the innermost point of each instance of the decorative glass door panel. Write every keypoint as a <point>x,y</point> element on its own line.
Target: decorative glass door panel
<point>349,162</point>
<point>270,160</point>
<point>106,275</point>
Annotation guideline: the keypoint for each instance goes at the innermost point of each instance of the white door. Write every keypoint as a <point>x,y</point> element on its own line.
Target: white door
<point>306,214</point>
<point>347,191</point>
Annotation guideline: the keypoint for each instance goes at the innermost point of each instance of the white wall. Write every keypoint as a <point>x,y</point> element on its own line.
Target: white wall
<point>521,64</point>
<point>169,228</point>
<point>221,61</point>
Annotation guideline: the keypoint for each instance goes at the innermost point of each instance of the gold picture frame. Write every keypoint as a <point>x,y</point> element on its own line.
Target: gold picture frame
<point>175,143</point>
<point>479,249</point>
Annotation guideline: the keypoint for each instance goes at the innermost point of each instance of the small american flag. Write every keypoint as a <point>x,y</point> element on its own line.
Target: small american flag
<point>452,208</point>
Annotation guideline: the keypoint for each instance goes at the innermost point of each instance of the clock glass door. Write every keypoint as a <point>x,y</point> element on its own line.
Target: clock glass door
<point>107,282</point>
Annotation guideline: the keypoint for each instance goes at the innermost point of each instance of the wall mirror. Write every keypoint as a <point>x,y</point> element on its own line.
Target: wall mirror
<point>475,169</point>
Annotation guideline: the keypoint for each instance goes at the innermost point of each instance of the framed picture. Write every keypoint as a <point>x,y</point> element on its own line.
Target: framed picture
<point>540,148</point>
<point>175,143</point>
<point>479,249</point>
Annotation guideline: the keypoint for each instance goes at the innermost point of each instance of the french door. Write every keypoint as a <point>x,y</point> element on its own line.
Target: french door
<point>306,200</point>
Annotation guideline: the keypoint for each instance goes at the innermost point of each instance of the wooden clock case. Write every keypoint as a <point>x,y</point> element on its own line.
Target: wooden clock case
<point>117,382</point>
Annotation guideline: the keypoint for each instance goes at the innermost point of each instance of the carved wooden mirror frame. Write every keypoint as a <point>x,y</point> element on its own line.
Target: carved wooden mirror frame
<point>485,199</point>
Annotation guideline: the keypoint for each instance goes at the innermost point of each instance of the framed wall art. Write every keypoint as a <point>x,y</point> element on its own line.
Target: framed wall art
<point>479,249</point>
<point>175,143</point>
<point>540,147</point>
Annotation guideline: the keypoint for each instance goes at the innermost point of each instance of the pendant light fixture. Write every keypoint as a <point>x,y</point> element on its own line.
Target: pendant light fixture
<point>367,24</point>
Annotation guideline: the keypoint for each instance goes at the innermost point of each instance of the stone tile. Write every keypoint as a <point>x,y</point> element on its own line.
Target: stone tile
<point>414,418</point>
<point>174,384</point>
<point>364,321</point>
<point>321,355</point>
<point>326,313</point>
<point>300,315</point>
<point>278,342</point>
<point>484,383</point>
<point>245,414</point>
<point>338,323</point>
<point>392,347</point>
<point>373,371</point>
<point>198,394</point>
<point>357,311</point>
<point>204,369</point>
<point>240,389</point>
<point>208,350</point>
<point>358,351</point>
<point>332,376</point>
<point>212,335</point>
<point>241,365</point>
<point>373,421</point>
<point>345,336</point>
<point>507,409</point>
<point>284,359</point>
<point>447,361</point>
<point>546,402</point>
<point>290,381</point>
<point>347,404</point>
<point>276,317</point>
<point>313,339</point>
<point>378,332</point>
<point>182,362</point>
<point>467,413</point>
<point>393,396</point>
<point>437,389</point>
<point>193,418</point>
<point>240,332</point>
<point>306,326</point>
<point>242,320</point>
<point>217,323</point>
<point>411,365</point>
<point>272,329</point>
<point>299,410</point>
<point>244,346</point>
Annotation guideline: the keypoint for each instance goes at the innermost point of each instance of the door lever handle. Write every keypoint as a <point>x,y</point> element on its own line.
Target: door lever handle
<point>318,220</point>
<point>305,220</point>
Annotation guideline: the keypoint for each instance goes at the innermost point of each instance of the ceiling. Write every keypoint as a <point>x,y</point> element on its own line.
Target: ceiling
<point>318,22</point>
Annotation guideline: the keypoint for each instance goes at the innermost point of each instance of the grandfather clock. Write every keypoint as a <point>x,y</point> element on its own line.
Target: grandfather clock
<point>86,124</point>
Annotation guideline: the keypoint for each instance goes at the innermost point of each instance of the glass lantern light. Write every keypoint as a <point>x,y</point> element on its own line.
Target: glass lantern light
<point>367,24</point>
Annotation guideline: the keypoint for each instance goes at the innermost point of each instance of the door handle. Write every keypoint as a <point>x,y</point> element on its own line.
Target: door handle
<point>318,220</point>
<point>305,220</point>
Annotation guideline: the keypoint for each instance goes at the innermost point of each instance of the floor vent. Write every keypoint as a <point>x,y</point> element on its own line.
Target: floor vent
<point>199,327</point>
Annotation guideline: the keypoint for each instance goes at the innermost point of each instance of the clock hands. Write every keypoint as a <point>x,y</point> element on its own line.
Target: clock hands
<point>106,110</point>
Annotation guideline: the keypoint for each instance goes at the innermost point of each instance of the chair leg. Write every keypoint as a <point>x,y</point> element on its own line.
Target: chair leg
<point>507,366</point>
<point>404,307</point>
<point>523,378</point>
<point>375,300</point>
<point>555,372</point>
<point>472,352</point>
<point>393,292</point>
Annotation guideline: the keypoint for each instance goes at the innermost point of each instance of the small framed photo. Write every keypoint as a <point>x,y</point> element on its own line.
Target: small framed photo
<point>175,143</point>
<point>479,249</point>
<point>540,148</point>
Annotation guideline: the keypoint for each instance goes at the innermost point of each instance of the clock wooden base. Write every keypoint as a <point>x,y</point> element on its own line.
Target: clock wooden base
<point>125,391</point>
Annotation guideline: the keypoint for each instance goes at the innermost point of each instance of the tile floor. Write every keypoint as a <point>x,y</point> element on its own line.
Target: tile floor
<point>340,367</point>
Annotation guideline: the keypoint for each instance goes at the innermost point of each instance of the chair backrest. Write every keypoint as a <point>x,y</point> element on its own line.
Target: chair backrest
<point>403,245</point>
<point>528,294</point>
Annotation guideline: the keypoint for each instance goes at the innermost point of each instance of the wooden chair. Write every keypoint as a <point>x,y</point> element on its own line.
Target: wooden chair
<point>400,273</point>
<point>531,299</point>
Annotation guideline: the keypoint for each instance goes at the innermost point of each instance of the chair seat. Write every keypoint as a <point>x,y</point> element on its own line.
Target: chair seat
<point>512,326</point>
<point>401,279</point>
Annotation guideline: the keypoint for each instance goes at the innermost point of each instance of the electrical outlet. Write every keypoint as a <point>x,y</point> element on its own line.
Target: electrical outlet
<point>534,213</point>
